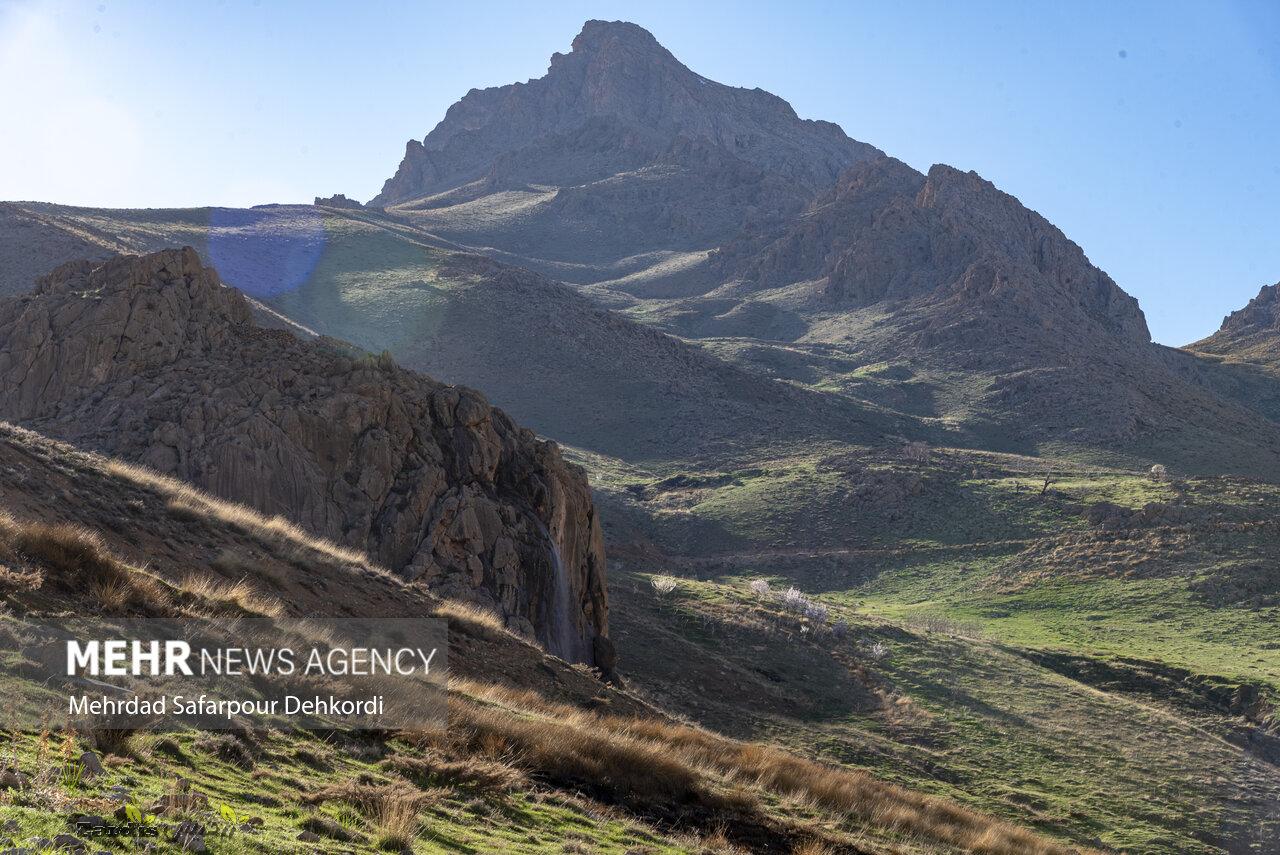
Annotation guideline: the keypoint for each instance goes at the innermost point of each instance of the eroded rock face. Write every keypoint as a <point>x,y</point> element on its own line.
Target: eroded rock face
<point>1251,334</point>
<point>151,358</point>
<point>886,232</point>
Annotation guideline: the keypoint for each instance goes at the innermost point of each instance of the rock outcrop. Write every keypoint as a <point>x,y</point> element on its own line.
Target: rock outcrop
<point>1251,334</point>
<point>152,359</point>
<point>338,200</point>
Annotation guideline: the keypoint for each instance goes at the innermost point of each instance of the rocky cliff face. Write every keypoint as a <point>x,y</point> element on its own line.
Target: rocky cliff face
<point>1260,316</point>
<point>1251,334</point>
<point>886,232</point>
<point>151,358</point>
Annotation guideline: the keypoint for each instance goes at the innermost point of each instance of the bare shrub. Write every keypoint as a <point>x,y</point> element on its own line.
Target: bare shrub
<point>916,452</point>
<point>878,651</point>
<point>944,625</point>
<point>840,629</point>
<point>760,587</point>
<point>1159,472</point>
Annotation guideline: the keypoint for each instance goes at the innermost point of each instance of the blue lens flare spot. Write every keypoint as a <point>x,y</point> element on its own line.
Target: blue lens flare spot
<point>266,252</point>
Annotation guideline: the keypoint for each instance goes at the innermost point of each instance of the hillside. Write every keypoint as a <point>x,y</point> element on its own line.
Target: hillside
<point>152,359</point>
<point>991,315</point>
<point>555,359</point>
<point>537,752</point>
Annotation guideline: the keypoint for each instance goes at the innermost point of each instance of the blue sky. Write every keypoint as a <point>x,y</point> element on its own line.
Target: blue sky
<point>1149,132</point>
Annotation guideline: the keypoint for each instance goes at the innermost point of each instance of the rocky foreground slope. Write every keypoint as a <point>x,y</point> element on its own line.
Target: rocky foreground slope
<point>152,359</point>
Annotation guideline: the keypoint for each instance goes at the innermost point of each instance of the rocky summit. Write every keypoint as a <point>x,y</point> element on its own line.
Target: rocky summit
<point>1251,334</point>
<point>623,145</point>
<point>151,358</point>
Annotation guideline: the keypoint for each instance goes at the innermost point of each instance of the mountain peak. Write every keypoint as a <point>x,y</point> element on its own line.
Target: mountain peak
<point>599,35</point>
<point>1252,333</point>
<point>1262,313</point>
<point>617,102</point>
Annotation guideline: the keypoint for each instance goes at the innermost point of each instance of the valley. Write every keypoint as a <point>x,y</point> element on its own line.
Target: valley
<point>847,507</point>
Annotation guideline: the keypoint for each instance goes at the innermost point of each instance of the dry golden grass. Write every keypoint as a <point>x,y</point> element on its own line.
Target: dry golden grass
<point>624,769</point>
<point>397,823</point>
<point>242,595</point>
<point>187,502</point>
<point>394,809</point>
<point>469,619</point>
<point>656,760</point>
<point>475,772</point>
<point>73,559</point>
<point>812,847</point>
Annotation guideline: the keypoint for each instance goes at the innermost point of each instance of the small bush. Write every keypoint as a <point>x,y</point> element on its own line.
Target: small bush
<point>760,587</point>
<point>816,612</point>
<point>397,823</point>
<point>117,741</point>
<point>1159,473</point>
<point>228,747</point>
<point>916,452</point>
<point>794,601</point>
<point>664,585</point>
<point>878,651</point>
<point>473,772</point>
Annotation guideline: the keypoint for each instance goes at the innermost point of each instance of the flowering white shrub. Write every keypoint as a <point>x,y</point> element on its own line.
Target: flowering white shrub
<point>878,651</point>
<point>794,601</point>
<point>760,587</point>
<point>816,612</point>
<point>663,585</point>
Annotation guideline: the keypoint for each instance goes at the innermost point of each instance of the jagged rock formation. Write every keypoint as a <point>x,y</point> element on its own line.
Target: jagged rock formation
<point>887,233</point>
<point>945,274</point>
<point>1251,334</point>
<point>639,151</point>
<point>152,359</point>
<point>338,200</point>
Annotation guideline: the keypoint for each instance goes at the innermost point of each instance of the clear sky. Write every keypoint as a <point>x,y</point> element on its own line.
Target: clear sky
<point>1149,132</point>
